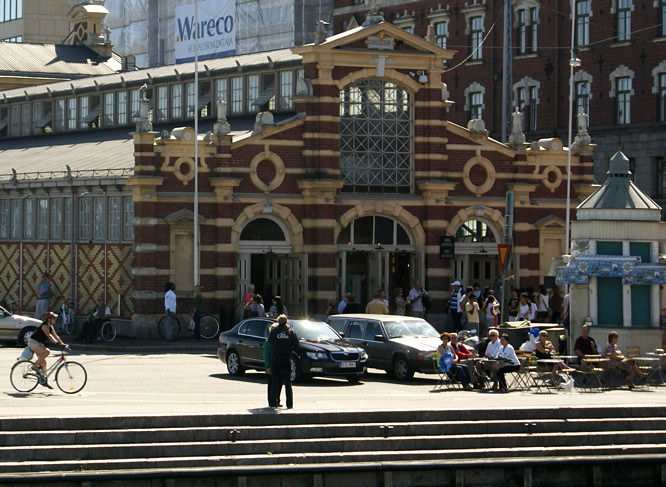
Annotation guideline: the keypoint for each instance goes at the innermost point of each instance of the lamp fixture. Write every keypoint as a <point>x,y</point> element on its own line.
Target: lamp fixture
<point>378,246</point>
<point>423,77</point>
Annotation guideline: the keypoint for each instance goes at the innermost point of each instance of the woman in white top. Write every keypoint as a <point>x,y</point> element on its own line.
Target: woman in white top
<point>508,361</point>
<point>523,308</point>
<point>170,327</point>
<point>542,305</point>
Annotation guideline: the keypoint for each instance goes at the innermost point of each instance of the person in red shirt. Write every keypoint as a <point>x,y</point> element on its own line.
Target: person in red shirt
<point>461,350</point>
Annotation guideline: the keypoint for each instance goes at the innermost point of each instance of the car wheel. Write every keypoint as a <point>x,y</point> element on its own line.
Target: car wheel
<point>25,334</point>
<point>354,379</point>
<point>234,366</point>
<point>401,369</point>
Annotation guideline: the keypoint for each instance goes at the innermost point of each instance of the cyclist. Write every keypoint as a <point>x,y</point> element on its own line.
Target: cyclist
<point>45,333</point>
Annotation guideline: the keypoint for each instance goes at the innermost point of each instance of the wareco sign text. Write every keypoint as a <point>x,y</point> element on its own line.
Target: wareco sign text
<point>215,30</point>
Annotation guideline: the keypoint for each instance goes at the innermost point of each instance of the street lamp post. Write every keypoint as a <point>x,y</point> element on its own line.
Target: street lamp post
<point>574,62</point>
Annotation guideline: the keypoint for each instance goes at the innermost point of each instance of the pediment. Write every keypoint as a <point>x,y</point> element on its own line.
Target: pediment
<point>550,221</point>
<point>383,37</point>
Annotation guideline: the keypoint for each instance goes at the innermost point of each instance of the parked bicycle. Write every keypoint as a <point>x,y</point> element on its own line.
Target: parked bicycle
<point>209,326</point>
<point>70,376</point>
<point>66,320</point>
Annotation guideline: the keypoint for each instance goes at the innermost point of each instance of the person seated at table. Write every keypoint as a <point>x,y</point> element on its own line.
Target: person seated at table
<point>545,350</point>
<point>461,370</point>
<point>461,350</point>
<point>484,368</point>
<point>585,345</point>
<point>507,361</point>
<point>617,360</point>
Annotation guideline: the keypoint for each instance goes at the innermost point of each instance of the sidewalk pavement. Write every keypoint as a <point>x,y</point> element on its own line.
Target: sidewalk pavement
<point>144,345</point>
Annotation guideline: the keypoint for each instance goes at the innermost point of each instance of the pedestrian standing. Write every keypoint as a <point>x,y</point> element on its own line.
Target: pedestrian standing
<point>278,308</point>
<point>268,352</point>
<point>285,343</point>
<point>454,305</point>
<point>415,299</point>
<point>542,304</point>
<point>400,302</point>
<point>43,295</point>
<point>197,312</point>
<point>472,309</point>
<point>170,328</point>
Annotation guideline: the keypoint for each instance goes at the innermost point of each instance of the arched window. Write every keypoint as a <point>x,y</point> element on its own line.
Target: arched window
<point>474,231</point>
<point>262,229</point>
<point>374,230</point>
<point>375,137</point>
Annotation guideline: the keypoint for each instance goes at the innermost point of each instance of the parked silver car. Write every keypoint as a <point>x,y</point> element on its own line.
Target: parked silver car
<point>401,345</point>
<point>16,328</point>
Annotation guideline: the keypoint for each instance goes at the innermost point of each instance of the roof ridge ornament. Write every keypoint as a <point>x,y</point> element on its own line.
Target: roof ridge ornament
<point>375,16</point>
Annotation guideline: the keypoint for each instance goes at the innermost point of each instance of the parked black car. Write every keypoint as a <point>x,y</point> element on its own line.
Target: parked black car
<point>401,345</point>
<point>322,351</point>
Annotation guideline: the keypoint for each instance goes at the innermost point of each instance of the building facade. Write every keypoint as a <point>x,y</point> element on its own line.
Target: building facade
<point>322,169</point>
<point>34,21</point>
<point>620,82</point>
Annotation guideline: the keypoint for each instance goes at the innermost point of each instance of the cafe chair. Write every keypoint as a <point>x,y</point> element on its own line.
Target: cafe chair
<point>447,378</point>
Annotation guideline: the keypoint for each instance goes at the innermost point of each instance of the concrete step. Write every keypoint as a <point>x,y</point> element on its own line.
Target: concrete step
<point>327,445</point>
<point>194,462</point>
<point>271,418</point>
<point>425,428</point>
<point>203,441</point>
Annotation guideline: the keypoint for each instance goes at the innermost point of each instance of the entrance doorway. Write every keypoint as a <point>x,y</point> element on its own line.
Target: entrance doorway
<point>368,272</point>
<point>265,260</point>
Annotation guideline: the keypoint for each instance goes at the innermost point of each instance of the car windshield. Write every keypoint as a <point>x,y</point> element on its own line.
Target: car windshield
<point>410,328</point>
<point>313,330</point>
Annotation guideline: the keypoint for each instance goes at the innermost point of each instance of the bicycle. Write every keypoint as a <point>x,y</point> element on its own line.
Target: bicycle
<point>70,376</point>
<point>66,320</point>
<point>209,327</point>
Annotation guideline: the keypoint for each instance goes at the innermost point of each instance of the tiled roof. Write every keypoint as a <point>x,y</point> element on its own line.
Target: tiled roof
<point>140,76</point>
<point>28,59</point>
<point>91,153</point>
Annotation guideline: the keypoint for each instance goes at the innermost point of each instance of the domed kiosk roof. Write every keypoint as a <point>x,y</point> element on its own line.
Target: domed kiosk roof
<point>619,198</point>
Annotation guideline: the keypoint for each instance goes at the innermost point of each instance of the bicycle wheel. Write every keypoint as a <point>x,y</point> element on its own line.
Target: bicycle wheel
<point>108,332</point>
<point>161,327</point>
<point>70,323</point>
<point>71,377</point>
<point>209,327</point>
<point>22,377</point>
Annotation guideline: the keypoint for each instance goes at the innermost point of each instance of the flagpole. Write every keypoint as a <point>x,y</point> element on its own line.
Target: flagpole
<point>196,144</point>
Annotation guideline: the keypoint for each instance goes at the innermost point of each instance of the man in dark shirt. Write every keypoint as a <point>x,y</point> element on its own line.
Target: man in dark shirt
<point>585,345</point>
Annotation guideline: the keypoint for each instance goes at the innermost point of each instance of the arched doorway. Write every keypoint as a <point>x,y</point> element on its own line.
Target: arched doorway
<point>265,259</point>
<point>375,252</point>
<point>476,253</point>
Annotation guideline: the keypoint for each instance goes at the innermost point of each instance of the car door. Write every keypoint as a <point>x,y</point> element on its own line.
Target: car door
<point>354,332</point>
<point>8,328</point>
<point>251,338</point>
<point>376,345</point>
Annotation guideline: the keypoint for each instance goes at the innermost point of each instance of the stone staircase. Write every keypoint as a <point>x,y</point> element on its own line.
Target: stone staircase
<point>438,447</point>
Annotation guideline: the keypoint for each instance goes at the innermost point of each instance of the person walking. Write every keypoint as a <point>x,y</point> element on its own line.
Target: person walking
<point>285,343</point>
<point>43,296</point>
<point>170,328</point>
<point>197,312</point>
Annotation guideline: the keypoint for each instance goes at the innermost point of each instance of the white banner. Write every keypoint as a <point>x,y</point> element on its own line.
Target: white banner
<point>216,30</point>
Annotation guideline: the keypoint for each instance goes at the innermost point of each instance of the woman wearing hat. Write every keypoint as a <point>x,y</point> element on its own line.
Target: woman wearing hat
<point>45,333</point>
